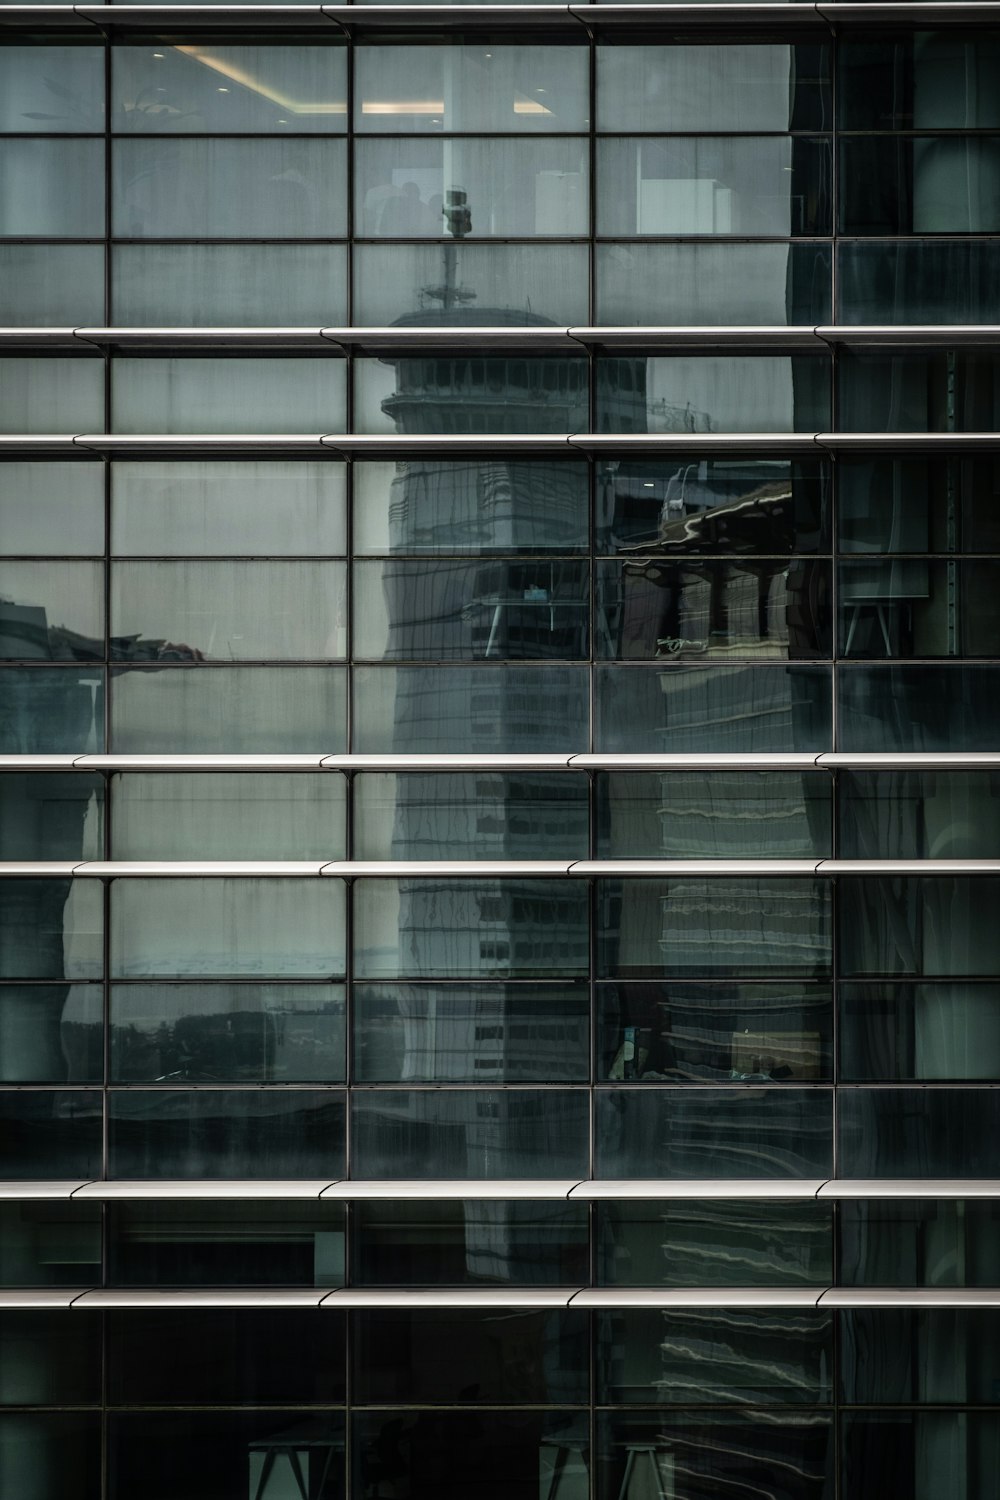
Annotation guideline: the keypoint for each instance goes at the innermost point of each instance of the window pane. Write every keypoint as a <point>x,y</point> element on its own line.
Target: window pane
<point>711,1242</point>
<point>928,707</point>
<point>232,1133</point>
<point>918,815</point>
<point>470,394</point>
<point>51,929</point>
<point>936,79</point>
<point>51,611</point>
<point>687,815</point>
<point>52,187</point>
<point>45,815</point>
<point>721,1454</point>
<point>481,815</point>
<point>47,1134</point>
<point>714,927</point>
<point>39,394</point>
<point>912,1031</point>
<point>454,611</point>
<point>233,1243</point>
<point>500,1455</point>
<point>919,926</point>
<point>51,88</point>
<point>463,1133</point>
<point>471,1034</point>
<point>918,282</point>
<point>917,1132</point>
<point>920,1243</point>
<point>480,507</point>
<point>455,1242</point>
<point>513,187</point>
<point>945,504</point>
<point>487,86</point>
<point>205,506</point>
<point>906,1449</point>
<point>465,709</point>
<point>52,507</point>
<point>48,1455</point>
<point>51,286</point>
<point>469,284</point>
<point>228,395</point>
<point>217,815</point>
<point>242,189</point>
<point>49,1359</point>
<point>228,1033</point>
<point>177,928</point>
<point>223,711</point>
<point>713,185</point>
<point>220,87</point>
<point>720,85</point>
<point>52,710</point>
<point>51,1033</point>
<point>917,607</point>
<point>703,1133</point>
<point>920,184</point>
<point>47,1245</point>
<point>655,608</point>
<point>689,506</point>
<point>932,392</point>
<point>713,393</point>
<point>240,286</point>
<point>739,709</point>
<point>709,284</point>
<point>229,611</point>
<point>707,1033</point>
<point>430,928</point>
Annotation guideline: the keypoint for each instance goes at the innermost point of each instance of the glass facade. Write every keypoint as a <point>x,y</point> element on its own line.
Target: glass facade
<point>499,755</point>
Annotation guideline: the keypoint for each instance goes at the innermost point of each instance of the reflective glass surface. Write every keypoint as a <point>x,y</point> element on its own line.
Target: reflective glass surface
<point>931,392</point>
<point>225,87</point>
<point>918,926</point>
<point>913,1132</point>
<point>680,393</point>
<point>918,814</point>
<point>931,707</point>
<point>52,507</point>
<point>51,286</point>
<point>52,88</point>
<point>51,611</point>
<point>50,1134</point>
<point>906,1032</point>
<point>705,284</point>
<point>713,85</point>
<point>469,284</point>
<point>51,1033</point>
<point>51,929</point>
<point>929,1242</point>
<point>956,1449</point>
<point>45,1245</point>
<point>47,1358</point>
<point>52,710</point>
<point>714,1243</point>
<point>462,1242</point>
<point>232,1244</point>
<point>467,393</point>
<point>214,394</point>
<point>918,607</point>
<point>217,815</point>
<point>51,188</point>
<point>219,285</point>
<point>492,709</point>
<point>48,815</point>
<point>469,815</point>
<point>686,815</point>
<point>223,710</point>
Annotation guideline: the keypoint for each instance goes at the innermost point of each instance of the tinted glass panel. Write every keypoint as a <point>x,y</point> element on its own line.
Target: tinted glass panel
<point>481,815</point>
<point>918,814</point>
<point>944,1357</point>
<point>921,184</point>
<point>687,815</point>
<point>712,1242</point>
<point>222,816</point>
<point>907,1448</point>
<point>50,816</point>
<point>934,392</point>
<point>914,1031</point>
<point>921,79</point>
<point>452,709</point>
<point>946,504</point>
<point>46,1245</point>
<point>918,607</point>
<point>226,711</point>
<point>919,926</point>
<point>718,85</point>
<point>51,395</point>
<point>917,1132</point>
<point>228,395</point>
<point>51,188</point>
<point>50,1455</point>
<point>918,708</point>
<point>468,284</point>
<point>46,1134</point>
<point>51,286</point>
<point>926,1243</point>
<point>51,929</point>
<point>467,393</point>
<point>47,1358</point>
<point>51,611</point>
<point>51,88</point>
<point>221,88</point>
<point>713,393</point>
<point>461,1241</point>
<point>701,283</point>
<point>229,285</point>
<point>51,1033</point>
<point>227,1244</point>
<point>52,507</point>
<point>473,87</point>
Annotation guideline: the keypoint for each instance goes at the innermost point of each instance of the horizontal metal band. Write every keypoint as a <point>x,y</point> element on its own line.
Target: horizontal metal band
<point>486,869</point>
<point>503,1190</point>
<point>826,760</point>
<point>363,19</point>
<point>407,445</point>
<point>610,1299</point>
<point>538,337</point>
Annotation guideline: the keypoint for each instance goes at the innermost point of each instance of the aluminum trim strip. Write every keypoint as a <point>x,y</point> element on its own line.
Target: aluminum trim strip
<point>569,760</point>
<point>494,1190</point>
<point>205,1297</point>
<point>500,1296</point>
<point>49,1298</point>
<point>214,1191</point>
<point>704,1296</point>
<point>641,1189</point>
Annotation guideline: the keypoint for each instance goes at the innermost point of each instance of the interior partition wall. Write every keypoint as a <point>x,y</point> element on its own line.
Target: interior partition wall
<point>499,752</point>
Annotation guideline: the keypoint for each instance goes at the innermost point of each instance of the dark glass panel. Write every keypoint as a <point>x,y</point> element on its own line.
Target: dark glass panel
<point>922,184</point>
<point>942,1357</point>
<point>228,1134</point>
<point>678,393</point>
<point>48,1245</point>
<point>494,1455</point>
<point>710,284</point>
<point>943,925</point>
<point>469,815</point>
<point>51,816</point>
<point>50,1134</point>
<point>918,607</point>
<point>713,1242</point>
<point>925,504</point>
<point>192,1244</point>
<point>654,608</point>
<point>52,1455</point>
<point>687,815</point>
<point>429,929</point>
<point>781,1456</point>
<point>471,392</point>
<point>51,1033</point>
<point>228,1033</point>
<point>765,928</point>
<point>949,1242</point>
<point>915,80</point>
<point>213,1356</point>
<point>930,707</point>
<point>739,709</point>
<point>451,1358</point>
<point>526,1033</point>
<point>466,1133</point>
<point>473,506</point>
<point>57,710</point>
<point>217,1455</point>
<point>918,814</point>
<point>469,1242</point>
<point>917,1132</point>
<point>51,929</point>
<point>909,1453</point>
<point>51,611</point>
<point>711,1033</point>
<point>699,1133</point>
<point>714,1358</point>
<point>694,506</point>
<point>909,1032</point>
<point>48,1358</point>
<point>936,391</point>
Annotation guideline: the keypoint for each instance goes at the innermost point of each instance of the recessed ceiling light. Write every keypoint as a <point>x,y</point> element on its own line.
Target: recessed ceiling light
<point>158,54</point>
<point>648,484</point>
<point>223,91</point>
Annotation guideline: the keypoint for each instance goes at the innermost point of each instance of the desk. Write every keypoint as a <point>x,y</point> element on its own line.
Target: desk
<point>293,1464</point>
